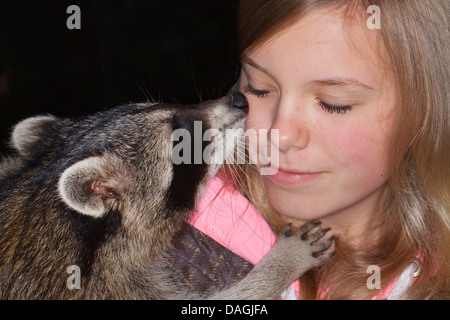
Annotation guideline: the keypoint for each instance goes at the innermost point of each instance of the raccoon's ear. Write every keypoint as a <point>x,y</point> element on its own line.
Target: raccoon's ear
<point>90,185</point>
<point>27,132</point>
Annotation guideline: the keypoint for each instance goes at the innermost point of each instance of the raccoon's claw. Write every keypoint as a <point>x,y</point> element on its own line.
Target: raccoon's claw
<point>307,227</point>
<point>317,235</point>
<point>296,252</point>
<point>311,236</point>
<point>323,246</point>
<point>287,230</point>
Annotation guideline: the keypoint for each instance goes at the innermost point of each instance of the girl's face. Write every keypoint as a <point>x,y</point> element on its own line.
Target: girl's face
<point>333,107</point>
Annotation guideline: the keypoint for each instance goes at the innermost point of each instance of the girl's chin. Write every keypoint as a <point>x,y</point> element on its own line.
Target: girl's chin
<point>294,211</point>
<point>293,202</point>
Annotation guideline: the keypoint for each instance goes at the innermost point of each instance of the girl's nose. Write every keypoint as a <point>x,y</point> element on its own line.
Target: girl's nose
<point>293,130</point>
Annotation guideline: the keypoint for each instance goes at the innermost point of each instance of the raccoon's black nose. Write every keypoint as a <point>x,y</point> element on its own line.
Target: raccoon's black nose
<point>238,100</point>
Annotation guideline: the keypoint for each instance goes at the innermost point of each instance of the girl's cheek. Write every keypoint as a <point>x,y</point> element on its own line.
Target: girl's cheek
<point>362,153</point>
<point>352,145</point>
<point>257,119</point>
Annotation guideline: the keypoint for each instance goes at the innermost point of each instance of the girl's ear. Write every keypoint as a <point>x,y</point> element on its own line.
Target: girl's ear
<point>28,132</point>
<point>89,186</point>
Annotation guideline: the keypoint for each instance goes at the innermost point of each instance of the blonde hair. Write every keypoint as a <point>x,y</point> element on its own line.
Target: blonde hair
<point>416,221</point>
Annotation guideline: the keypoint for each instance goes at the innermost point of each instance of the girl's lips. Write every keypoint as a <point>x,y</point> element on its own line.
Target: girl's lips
<point>287,177</point>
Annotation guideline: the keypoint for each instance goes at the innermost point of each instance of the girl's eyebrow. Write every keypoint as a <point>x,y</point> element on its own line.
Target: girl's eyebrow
<point>254,65</point>
<point>341,82</point>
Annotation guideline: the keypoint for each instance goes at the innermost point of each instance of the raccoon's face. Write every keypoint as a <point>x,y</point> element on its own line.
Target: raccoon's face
<point>135,157</point>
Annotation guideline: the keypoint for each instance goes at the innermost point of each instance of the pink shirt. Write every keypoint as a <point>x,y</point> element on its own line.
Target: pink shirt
<point>231,220</point>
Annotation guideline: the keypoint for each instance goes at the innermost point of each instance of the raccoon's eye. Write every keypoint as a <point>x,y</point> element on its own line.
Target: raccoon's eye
<point>180,123</point>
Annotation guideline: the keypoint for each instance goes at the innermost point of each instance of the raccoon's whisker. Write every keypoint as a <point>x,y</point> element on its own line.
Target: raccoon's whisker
<point>253,138</point>
<point>251,165</point>
<point>243,156</point>
<point>247,146</point>
<point>251,154</point>
<point>143,89</point>
<point>247,156</point>
<point>235,176</point>
<point>239,181</point>
<point>245,174</point>
<point>168,95</point>
<point>199,94</point>
<point>247,181</point>
<point>243,153</point>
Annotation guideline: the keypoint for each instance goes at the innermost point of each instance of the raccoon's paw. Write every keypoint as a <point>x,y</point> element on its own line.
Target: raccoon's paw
<point>306,248</point>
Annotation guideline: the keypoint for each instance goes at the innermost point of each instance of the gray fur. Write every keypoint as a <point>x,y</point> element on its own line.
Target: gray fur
<point>101,192</point>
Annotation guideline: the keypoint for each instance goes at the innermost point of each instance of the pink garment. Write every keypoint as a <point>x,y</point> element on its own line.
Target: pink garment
<point>231,220</point>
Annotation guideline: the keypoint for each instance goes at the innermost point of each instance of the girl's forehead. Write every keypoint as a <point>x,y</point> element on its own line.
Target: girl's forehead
<point>325,26</point>
<point>322,41</point>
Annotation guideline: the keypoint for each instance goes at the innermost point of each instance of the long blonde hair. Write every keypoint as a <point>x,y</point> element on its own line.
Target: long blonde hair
<point>416,220</point>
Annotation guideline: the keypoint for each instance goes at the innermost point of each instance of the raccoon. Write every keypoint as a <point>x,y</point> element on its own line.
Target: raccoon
<point>102,193</point>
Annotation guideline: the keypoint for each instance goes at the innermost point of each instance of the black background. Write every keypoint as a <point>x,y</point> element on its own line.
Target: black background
<point>126,51</point>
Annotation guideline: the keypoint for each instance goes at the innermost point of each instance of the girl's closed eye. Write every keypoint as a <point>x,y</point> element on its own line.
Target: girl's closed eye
<point>258,93</point>
<point>331,108</point>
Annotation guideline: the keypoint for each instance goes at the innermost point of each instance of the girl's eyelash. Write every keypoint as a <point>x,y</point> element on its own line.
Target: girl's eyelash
<point>331,108</point>
<point>258,93</point>
<point>334,108</point>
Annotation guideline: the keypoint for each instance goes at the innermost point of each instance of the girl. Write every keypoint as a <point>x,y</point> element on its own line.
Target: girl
<point>362,116</point>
